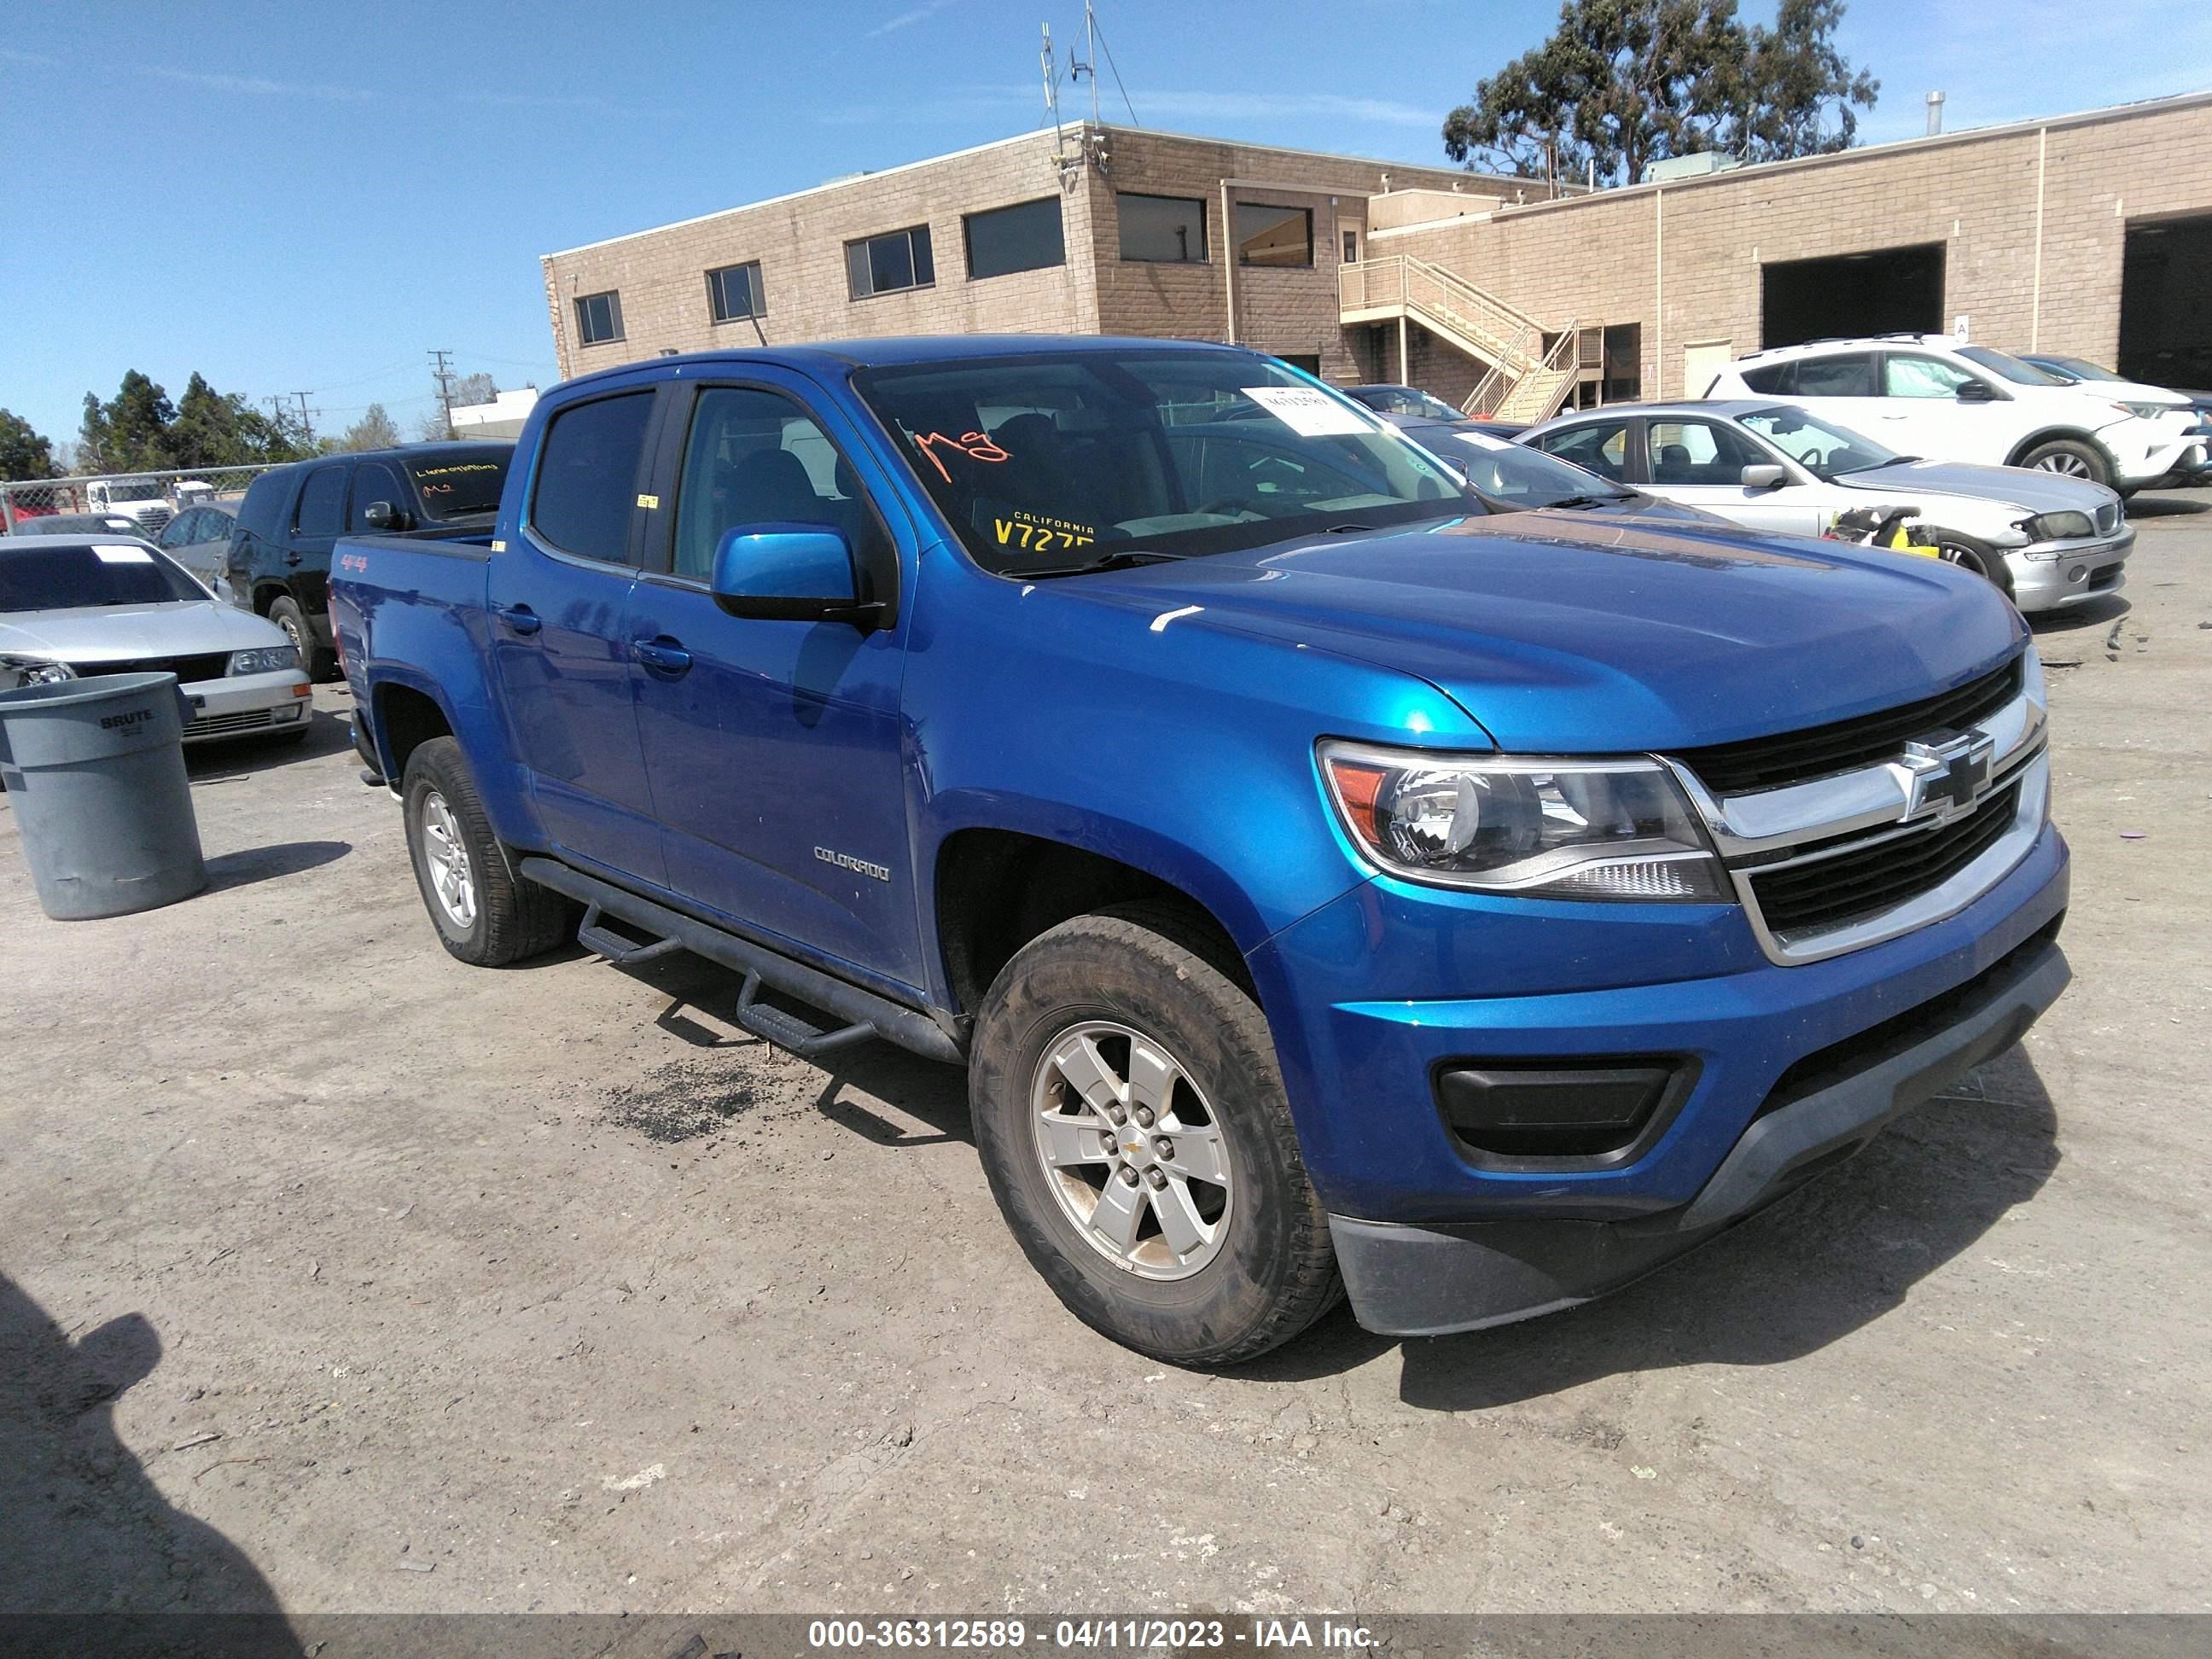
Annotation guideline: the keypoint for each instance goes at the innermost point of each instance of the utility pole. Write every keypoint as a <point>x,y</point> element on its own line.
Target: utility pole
<point>442,371</point>
<point>306,422</point>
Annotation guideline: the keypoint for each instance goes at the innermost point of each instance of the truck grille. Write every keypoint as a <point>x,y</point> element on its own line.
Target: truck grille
<point>1850,885</point>
<point>188,670</point>
<point>1737,768</point>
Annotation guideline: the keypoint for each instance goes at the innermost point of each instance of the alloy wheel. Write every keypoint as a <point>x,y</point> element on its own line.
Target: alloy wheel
<point>452,877</point>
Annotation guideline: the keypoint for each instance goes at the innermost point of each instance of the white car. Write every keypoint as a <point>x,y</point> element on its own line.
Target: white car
<point>2048,540</point>
<point>1928,394</point>
<point>71,606</point>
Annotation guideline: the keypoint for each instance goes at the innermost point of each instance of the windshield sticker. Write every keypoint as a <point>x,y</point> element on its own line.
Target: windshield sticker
<point>1481,441</point>
<point>1308,411</point>
<point>975,446</point>
<point>1036,533</point>
<point>123,556</point>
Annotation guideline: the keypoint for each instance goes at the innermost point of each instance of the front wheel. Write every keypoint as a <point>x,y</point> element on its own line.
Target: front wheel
<point>485,914</point>
<point>2069,458</point>
<point>1970,555</point>
<point>318,662</point>
<point>1133,1123</point>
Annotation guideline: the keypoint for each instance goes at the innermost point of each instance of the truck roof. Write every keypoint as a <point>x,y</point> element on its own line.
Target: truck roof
<point>835,355</point>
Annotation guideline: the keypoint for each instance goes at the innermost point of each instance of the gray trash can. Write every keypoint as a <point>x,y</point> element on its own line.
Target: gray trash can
<point>95,776</point>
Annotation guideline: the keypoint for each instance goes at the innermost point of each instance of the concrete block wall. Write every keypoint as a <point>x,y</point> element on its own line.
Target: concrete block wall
<point>1684,259</point>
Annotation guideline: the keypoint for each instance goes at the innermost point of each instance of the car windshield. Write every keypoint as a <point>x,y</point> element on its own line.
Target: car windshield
<point>1514,476</point>
<point>1827,451</point>
<point>34,578</point>
<point>458,486</point>
<point>2011,369</point>
<point>1407,400</point>
<point>2083,368</point>
<point>1055,460</point>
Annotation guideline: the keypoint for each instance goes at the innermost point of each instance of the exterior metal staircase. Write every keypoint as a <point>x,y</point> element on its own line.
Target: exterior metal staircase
<point>1528,377</point>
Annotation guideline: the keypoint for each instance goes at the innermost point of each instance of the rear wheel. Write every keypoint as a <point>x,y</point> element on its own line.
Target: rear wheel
<point>1133,1123</point>
<point>485,914</point>
<point>319,662</point>
<point>2070,458</point>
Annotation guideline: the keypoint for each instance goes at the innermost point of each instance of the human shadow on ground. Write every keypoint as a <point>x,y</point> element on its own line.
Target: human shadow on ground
<point>84,1530</point>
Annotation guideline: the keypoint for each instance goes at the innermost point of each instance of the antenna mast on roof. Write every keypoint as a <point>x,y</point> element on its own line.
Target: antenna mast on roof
<point>1051,86</point>
<point>1094,42</point>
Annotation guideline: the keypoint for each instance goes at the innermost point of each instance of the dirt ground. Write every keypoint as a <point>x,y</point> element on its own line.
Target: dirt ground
<point>337,1276</point>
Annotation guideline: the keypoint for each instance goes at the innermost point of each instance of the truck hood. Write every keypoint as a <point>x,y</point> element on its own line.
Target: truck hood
<point>1568,634</point>
<point>2012,486</point>
<point>129,633</point>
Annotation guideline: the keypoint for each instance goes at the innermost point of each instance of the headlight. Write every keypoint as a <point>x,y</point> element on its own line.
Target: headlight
<point>32,671</point>
<point>2058,526</point>
<point>1542,828</point>
<point>2147,411</point>
<point>264,660</point>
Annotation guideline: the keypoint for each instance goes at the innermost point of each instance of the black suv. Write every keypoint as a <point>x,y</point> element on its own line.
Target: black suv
<point>279,560</point>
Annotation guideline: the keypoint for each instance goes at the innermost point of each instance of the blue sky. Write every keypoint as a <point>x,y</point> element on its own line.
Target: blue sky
<point>306,198</point>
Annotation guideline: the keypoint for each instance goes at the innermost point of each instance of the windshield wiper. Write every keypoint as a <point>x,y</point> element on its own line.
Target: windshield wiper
<point>1592,500</point>
<point>1121,561</point>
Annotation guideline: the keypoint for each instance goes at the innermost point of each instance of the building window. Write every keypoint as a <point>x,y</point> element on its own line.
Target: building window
<point>1163,229</point>
<point>886,263</point>
<point>1624,363</point>
<point>599,318</point>
<point>1351,247</point>
<point>733,293</point>
<point>1274,235</point>
<point>1308,361</point>
<point>1024,238</point>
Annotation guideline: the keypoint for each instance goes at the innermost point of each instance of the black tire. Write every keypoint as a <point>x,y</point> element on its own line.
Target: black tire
<point>319,661</point>
<point>507,919</point>
<point>2070,456</point>
<point>1982,560</point>
<point>1273,1272</point>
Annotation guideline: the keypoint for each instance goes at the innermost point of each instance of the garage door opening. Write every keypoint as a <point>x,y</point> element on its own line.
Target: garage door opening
<point>1891,290</point>
<point>2166,303</point>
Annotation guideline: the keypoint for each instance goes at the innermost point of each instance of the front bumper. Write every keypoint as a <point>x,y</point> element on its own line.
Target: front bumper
<point>247,705</point>
<point>2143,451</point>
<point>1433,1239</point>
<point>1424,1281</point>
<point>2055,575</point>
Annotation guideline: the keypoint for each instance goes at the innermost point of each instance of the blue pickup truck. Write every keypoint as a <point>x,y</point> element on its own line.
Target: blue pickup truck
<point>1334,882</point>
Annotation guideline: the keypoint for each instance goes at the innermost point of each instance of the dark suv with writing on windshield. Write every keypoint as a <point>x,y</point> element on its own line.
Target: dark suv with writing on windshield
<point>279,560</point>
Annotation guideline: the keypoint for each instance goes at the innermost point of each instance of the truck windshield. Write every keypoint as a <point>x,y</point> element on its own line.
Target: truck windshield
<point>455,486</point>
<point>134,489</point>
<point>38,578</point>
<point>1057,459</point>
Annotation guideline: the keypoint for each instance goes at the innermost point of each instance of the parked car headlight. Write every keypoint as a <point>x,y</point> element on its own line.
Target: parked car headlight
<point>2147,411</point>
<point>2058,526</point>
<point>263,659</point>
<point>1541,829</point>
<point>32,671</point>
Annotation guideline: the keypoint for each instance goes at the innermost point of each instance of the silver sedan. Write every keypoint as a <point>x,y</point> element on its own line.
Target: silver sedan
<point>72,606</point>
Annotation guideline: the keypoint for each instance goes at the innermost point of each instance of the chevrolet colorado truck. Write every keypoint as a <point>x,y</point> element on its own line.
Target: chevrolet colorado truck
<point>1331,885</point>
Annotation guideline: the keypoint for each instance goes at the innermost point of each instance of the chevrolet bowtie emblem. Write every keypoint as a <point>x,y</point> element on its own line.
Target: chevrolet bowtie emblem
<point>1947,772</point>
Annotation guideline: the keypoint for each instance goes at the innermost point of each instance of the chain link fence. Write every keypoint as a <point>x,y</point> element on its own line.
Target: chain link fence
<point>150,500</point>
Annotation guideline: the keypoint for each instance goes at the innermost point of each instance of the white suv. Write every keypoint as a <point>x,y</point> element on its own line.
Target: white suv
<point>1930,395</point>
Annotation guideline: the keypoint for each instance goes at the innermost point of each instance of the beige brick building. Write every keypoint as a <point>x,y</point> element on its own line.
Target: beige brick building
<point>2089,234</point>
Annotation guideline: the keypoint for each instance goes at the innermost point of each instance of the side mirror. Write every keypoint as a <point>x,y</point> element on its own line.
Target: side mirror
<point>379,515</point>
<point>789,573</point>
<point>1765,475</point>
<point>1976,392</point>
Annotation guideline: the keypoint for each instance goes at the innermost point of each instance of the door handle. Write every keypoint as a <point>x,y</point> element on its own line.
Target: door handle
<point>520,618</point>
<point>663,655</point>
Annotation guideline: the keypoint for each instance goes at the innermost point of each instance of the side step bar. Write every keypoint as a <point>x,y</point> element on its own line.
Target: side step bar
<point>866,1013</point>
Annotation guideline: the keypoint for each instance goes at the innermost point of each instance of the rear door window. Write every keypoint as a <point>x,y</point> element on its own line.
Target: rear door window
<point>586,493</point>
<point>322,503</point>
<point>1601,447</point>
<point>265,502</point>
<point>1848,375</point>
